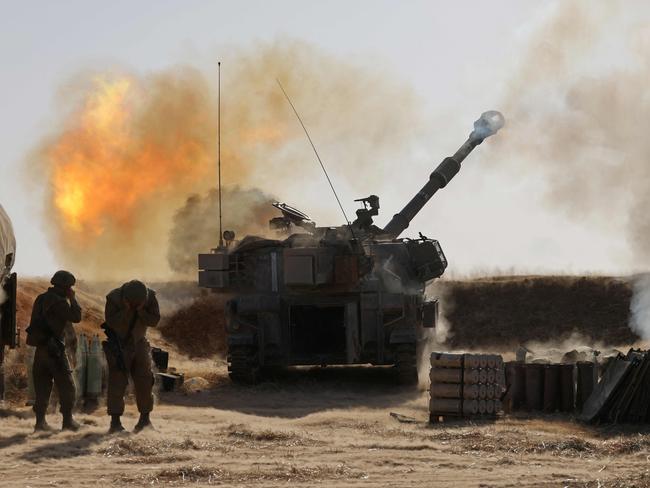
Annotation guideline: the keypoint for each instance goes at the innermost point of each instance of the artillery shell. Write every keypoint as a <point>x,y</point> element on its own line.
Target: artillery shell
<point>482,391</point>
<point>470,407</point>
<point>471,361</point>
<point>445,360</point>
<point>482,376</point>
<point>445,390</point>
<point>482,406</point>
<point>491,376</point>
<point>490,392</point>
<point>446,375</point>
<point>444,405</point>
<point>483,360</point>
<point>491,361</point>
<point>489,406</point>
<point>471,377</point>
<point>470,392</point>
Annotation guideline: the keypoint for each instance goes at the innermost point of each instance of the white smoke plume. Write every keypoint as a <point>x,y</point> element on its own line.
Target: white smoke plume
<point>432,340</point>
<point>578,108</point>
<point>640,307</point>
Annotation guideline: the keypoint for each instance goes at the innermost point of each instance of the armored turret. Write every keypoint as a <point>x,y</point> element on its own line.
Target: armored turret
<point>352,294</point>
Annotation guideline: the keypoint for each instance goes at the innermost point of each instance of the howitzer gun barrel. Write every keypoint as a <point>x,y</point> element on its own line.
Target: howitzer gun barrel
<point>488,124</point>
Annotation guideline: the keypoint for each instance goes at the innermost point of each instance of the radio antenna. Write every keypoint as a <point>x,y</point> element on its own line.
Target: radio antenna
<point>219,148</point>
<point>317,156</point>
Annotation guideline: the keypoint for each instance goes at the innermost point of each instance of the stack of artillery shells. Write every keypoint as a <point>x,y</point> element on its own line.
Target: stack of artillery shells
<point>466,385</point>
<point>485,381</point>
<point>446,385</point>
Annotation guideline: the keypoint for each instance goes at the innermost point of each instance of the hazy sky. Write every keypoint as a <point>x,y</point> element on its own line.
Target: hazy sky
<point>459,57</point>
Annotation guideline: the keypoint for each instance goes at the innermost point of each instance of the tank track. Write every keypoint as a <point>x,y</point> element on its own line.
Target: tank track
<point>243,365</point>
<point>406,364</point>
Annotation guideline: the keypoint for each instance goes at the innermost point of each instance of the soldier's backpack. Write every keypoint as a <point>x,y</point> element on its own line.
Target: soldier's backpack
<point>38,332</point>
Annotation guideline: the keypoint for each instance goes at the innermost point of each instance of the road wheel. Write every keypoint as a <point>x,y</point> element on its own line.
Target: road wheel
<point>406,364</point>
<point>243,365</point>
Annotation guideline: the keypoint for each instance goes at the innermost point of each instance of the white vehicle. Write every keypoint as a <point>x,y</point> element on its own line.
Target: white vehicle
<point>7,245</point>
<point>8,284</point>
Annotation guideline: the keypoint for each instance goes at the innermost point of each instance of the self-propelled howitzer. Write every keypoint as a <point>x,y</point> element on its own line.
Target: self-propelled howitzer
<point>352,294</point>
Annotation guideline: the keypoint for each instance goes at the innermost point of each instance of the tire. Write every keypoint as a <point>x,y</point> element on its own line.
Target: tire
<point>243,365</point>
<point>406,364</point>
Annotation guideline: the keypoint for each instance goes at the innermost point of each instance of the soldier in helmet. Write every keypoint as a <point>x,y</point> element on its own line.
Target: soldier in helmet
<point>130,309</point>
<point>53,312</point>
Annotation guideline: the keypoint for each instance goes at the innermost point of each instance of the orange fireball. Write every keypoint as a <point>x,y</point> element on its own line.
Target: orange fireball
<point>116,156</point>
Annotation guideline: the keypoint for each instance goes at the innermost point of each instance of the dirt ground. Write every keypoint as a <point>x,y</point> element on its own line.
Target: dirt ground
<point>318,426</point>
<point>327,427</point>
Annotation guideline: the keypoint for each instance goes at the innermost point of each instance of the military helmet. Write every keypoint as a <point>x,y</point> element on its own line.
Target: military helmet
<point>135,291</point>
<point>64,279</point>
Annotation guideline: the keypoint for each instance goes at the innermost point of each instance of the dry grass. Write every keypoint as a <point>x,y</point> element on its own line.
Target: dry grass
<point>563,440</point>
<point>522,442</point>
<point>240,434</point>
<point>279,472</point>
<point>569,447</point>
<point>16,378</point>
<point>505,312</point>
<point>395,447</point>
<point>198,329</point>
<point>145,448</point>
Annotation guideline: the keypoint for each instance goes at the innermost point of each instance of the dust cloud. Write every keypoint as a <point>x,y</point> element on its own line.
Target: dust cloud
<point>432,340</point>
<point>195,226</point>
<point>576,346</point>
<point>578,111</point>
<point>129,149</point>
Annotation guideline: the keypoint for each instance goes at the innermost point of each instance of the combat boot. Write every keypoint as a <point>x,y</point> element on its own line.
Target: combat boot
<point>41,424</point>
<point>116,425</point>
<point>143,423</point>
<point>69,423</point>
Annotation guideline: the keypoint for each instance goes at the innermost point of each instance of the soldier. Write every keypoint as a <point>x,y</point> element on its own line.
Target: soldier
<point>52,312</point>
<point>130,309</point>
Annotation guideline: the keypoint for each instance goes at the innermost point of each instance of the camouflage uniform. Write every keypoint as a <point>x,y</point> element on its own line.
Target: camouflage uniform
<point>125,311</point>
<point>51,365</point>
